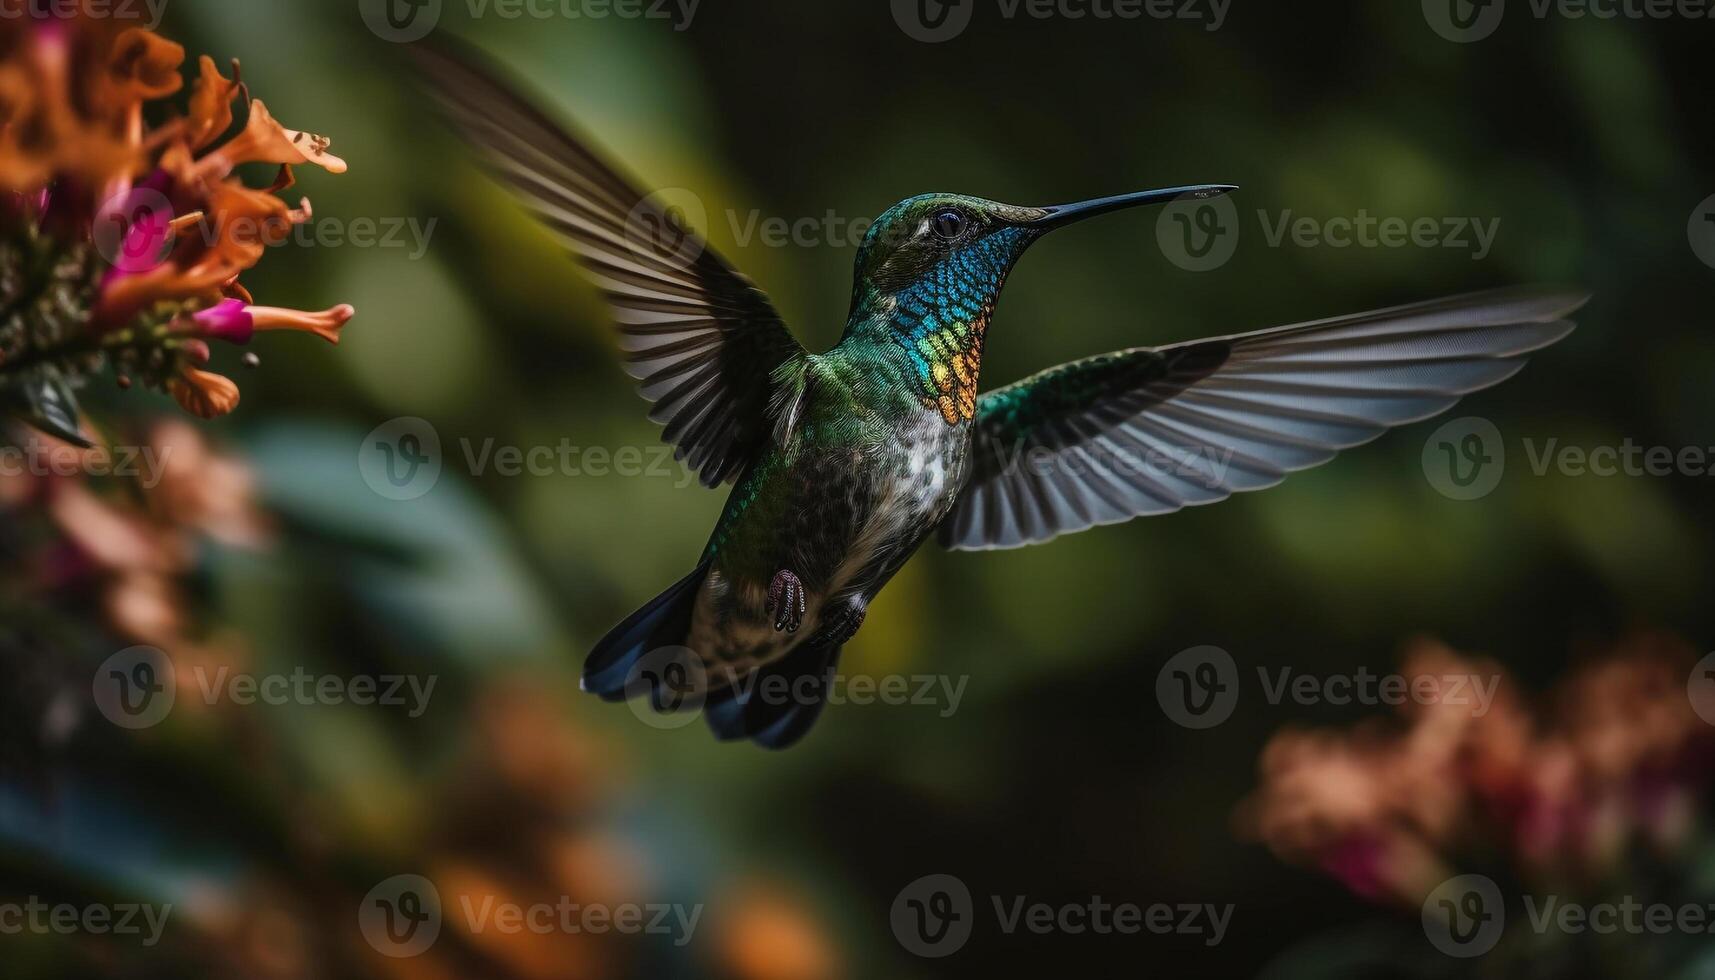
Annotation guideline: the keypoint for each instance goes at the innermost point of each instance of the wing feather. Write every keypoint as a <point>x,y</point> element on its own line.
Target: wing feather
<point>1151,430</point>
<point>701,340</point>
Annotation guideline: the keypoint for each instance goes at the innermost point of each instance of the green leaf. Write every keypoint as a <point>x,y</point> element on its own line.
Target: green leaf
<point>438,568</point>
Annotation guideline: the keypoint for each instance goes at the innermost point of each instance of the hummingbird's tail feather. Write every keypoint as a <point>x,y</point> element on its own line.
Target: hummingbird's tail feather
<point>776,705</point>
<point>663,622</point>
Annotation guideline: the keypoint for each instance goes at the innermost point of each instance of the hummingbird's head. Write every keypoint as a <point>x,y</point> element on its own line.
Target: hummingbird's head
<point>922,235</point>
<point>954,252</point>
<point>931,268</point>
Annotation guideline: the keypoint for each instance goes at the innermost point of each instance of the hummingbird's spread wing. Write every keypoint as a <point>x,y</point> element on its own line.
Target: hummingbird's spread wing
<point>1152,430</point>
<point>699,337</point>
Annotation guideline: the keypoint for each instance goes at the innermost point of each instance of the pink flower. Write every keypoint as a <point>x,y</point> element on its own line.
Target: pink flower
<point>235,321</point>
<point>228,320</point>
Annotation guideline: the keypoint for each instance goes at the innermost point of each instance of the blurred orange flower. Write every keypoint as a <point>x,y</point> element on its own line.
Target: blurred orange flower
<point>1390,809</point>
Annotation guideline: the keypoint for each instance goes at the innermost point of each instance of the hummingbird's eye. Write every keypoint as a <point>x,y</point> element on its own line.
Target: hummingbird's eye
<point>949,224</point>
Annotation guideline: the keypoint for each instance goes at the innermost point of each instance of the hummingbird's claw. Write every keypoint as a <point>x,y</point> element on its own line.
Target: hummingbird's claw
<point>843,623</point>
<point>786,601</point>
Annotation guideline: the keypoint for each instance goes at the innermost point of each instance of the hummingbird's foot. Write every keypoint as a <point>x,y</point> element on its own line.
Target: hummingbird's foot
<point>842,623</point>
<point>786,601</point>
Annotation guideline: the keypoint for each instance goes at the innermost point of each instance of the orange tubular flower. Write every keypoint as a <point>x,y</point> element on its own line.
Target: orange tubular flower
<point>204,394</point>
<point>141,66</point>
<point>264,140</point>
<point>211,105</point>
<point>150,230</point>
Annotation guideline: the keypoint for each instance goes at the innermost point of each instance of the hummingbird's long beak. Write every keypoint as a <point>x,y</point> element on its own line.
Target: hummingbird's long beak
<point>1066,214</point>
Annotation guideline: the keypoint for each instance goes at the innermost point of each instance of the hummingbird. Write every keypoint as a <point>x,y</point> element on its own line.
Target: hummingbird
<point>844,463</point>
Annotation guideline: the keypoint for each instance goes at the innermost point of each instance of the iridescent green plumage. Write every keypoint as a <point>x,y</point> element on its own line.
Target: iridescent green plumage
<point>931,305</point>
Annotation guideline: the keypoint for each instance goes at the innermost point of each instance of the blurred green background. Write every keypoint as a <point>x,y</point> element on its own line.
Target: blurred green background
<point>1059,776</point>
